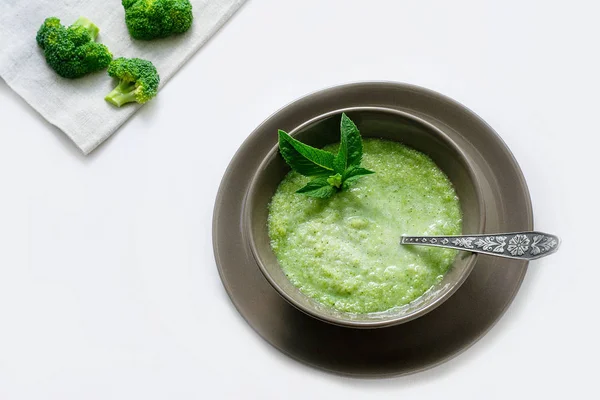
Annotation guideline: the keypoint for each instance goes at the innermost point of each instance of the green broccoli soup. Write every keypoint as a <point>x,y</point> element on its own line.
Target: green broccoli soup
<point>344,251</point>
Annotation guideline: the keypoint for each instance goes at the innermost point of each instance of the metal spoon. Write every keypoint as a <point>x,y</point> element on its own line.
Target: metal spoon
<point>518,245</point>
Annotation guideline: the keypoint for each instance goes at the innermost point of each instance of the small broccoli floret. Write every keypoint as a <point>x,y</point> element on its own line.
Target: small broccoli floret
<point>150,19</point>
<point>72,52</point>
<point>49,25</point>
<point>138,81</point>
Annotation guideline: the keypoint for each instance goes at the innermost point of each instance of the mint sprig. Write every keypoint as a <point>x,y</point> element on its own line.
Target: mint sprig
<point>330,172</point>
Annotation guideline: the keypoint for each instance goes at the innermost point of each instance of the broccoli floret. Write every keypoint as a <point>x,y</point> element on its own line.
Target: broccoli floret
<point>49,25</point>
<point>150,19</point>
<point>72,52</point>
<point>139,81</point>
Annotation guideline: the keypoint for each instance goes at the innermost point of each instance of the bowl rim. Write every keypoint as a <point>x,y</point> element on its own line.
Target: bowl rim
<point>384,322</point>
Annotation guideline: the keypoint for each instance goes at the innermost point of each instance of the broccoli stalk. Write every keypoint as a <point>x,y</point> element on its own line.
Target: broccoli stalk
<point>124,93</point>
<point>89,26</point>
<point>138,83</point>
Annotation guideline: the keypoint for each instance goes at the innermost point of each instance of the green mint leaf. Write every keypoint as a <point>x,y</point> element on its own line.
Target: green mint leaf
<point>353,174</point>
<point>351,140</point>
<point>340,162</point>
<point>335,180</point>
<point>318,187</point>
<point>303,158</point>
<point>356,172</point>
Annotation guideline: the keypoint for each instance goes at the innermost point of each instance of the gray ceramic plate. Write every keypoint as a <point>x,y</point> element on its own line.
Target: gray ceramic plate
<point>406,348</point>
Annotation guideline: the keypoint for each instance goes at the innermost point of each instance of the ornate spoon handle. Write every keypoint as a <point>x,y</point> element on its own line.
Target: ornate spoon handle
<point>519,245</point>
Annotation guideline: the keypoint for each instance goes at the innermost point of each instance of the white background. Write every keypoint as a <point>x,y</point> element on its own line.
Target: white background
<point>108,286</point>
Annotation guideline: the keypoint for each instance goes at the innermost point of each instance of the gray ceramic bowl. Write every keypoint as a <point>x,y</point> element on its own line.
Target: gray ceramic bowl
<point>380,123</point>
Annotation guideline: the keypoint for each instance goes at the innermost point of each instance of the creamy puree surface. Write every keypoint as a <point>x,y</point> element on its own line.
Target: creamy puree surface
<point>344,251</point>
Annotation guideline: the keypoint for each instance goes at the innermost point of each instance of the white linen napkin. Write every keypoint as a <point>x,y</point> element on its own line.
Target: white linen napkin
<point>77,106</point>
